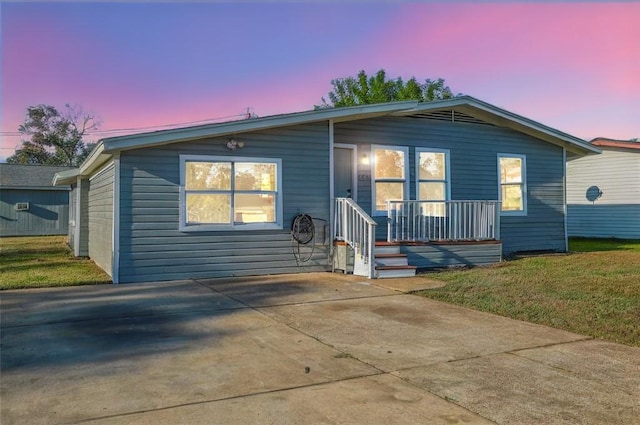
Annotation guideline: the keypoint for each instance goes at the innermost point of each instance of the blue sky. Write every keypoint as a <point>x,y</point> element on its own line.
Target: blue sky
<point>573,66</point>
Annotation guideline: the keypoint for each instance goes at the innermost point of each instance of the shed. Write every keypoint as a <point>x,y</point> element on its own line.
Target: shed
<point>30,205</point>
<point>377,190</point>
<point>603,191</point>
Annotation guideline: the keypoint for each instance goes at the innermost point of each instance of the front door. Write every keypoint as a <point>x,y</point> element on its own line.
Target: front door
<point>344,182</point>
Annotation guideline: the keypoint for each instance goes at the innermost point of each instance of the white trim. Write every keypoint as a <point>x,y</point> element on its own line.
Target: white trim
<point>76,230</point>
<point>354,168</point>
<point>277,225</point>
<point>525,192</point>
<point>447,170</point>
<point>331,182</point>
<point>115,222</point>
<point>331,161</point>
<point>564,199</point>
<point>405,181</point>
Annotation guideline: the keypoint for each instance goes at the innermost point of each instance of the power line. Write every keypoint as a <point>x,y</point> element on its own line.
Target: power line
<point>155,127</point>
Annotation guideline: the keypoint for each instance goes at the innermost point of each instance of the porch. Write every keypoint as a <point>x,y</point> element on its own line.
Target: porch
<point>420,235</point>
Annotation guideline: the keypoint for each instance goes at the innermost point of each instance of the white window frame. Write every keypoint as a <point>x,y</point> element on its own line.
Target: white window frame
<point>404,181</point>
<point>205,227</point>
<point>447,172</point>
<point>523,158</point>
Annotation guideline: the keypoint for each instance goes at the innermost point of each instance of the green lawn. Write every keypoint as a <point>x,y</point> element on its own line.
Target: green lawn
<point>45,261</point>
<point>594,290</point>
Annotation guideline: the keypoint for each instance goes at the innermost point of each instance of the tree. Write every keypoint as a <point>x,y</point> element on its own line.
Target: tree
<point>364,89</point>
<point>56,138</point>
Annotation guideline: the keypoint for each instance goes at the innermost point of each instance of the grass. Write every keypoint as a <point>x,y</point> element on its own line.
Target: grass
<point>44,261</point>
<point>593,290</point>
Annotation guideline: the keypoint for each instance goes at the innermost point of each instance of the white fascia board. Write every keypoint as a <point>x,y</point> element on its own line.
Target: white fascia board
<point>66,177</point>
<point>134,141</point>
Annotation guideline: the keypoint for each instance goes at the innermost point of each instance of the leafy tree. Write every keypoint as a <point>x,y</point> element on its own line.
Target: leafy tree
<point>364,89</point>
<point>56,138</point>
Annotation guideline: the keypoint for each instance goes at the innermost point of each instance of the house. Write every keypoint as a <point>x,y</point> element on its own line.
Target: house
<point>450,182</point>
<point>603,191</point>
<point>30,205</point>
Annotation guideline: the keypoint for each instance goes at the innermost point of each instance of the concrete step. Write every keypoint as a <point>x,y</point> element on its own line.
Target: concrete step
<point>391,259</point>
<point>387,272</point>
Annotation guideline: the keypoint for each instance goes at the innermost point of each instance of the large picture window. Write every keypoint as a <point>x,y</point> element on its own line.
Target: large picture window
<point>230,193</point>
<point>432,177</point>
<point>513,183</point>
<point>389,181</point>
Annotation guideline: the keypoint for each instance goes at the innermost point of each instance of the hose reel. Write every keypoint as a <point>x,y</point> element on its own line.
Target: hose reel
<point>302,235</point>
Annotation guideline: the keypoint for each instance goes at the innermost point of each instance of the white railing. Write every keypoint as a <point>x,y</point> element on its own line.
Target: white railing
<point>424,221</point>
<point>356,228</point>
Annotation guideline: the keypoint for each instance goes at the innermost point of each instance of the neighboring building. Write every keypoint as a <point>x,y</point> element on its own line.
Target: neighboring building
<point>603,191</point>
<point>270,195</point>
<point>30,205</point>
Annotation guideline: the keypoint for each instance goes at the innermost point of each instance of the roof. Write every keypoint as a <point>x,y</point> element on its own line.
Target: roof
<point>603,142</point>
<point>40,177</point>
<point>464,104</point>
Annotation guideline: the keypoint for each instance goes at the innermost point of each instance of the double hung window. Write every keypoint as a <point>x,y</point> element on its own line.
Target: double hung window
<point>390,170</point>
<point>433,179</point>
<point>513,184</point>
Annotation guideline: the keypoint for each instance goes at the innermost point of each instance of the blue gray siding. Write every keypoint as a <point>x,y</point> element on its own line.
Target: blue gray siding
<point>616,213</point>
<point>153,249</point>
<point>100,218</point>
<point>451,255</point>
<point>474,176</point>
<point>48,212</point>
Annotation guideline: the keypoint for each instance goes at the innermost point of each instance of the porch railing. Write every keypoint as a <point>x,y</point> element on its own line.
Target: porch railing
<point>356,228</point>
<point>424,221</point>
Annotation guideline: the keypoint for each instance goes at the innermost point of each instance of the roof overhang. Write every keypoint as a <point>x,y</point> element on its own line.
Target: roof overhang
<point>95,160</point>
<point>617,144</point>
<point>163,137</point>
<point>107,148</point>
<point>59,188</point>
<point>503,118</point>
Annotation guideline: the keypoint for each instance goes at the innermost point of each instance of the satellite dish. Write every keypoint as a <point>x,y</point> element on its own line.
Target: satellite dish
<point>593,193</point>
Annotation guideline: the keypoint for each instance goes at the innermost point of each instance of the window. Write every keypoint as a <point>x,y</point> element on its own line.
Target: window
<point>513,183</point>
<point>230,193</point>
<point>389,167</point>
<point>432,176</point>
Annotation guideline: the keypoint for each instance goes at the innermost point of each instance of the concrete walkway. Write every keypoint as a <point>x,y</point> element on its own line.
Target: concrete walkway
<point>296,349</point>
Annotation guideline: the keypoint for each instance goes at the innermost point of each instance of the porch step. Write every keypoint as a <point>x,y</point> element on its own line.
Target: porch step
<point>387,248</point>
<point>387,272</point>
<point>391,259</point>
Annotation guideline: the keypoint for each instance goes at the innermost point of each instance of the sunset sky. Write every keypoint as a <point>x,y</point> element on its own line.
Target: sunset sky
<point>573,66</point>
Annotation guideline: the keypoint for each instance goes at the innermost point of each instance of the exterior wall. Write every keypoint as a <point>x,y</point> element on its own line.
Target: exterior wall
<point>474,171</point>
<point>82,216</point>
<point>48,212</point>
<point>152,248</point>
<point>616,213</point>
<point>100,218</point>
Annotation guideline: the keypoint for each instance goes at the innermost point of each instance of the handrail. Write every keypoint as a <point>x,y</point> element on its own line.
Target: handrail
<point>356,228</point>
<point>416,220</point>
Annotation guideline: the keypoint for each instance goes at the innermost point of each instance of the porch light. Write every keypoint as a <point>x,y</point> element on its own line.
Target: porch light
<point>233,144</point>
<point>365,159</point>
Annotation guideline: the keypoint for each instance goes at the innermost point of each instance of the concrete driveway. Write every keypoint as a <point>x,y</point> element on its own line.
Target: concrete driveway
<point>296,349</point>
